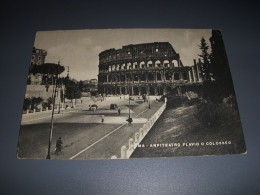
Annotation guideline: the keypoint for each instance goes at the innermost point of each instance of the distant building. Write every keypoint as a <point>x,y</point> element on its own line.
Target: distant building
<point>38,56</point>
<point>149,68</point>
<point>37,85</point>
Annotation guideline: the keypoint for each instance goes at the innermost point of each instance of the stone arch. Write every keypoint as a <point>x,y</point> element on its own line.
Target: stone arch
<point>142,64</point>
<point>123,90</point>
<point>128,66</point>
<point>117,90</point>
<point>136,91</point>
<point>143,78</point>
<point>166,63</point>
<point>175,63</point>
<point>143,90</point>
<point>122,77</point>
<point>150,76</point>
<point>168,76</point>
<point>160,90</point>
<point>135,65</point>
<point>152,91</point>
<point>135,77</point>
<point>159,76</point>
<point>113,67</point>
<point>113,90</point>
<point>157,63</point>
<point>168,89</point>
<point>149,64</point>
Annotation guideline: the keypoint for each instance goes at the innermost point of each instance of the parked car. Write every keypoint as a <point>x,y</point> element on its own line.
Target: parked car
<point>113,106</point>
<point>131,98</point>
<point>93,107</point>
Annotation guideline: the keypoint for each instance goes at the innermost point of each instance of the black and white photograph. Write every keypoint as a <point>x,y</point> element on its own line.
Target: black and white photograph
<point>129,93</point>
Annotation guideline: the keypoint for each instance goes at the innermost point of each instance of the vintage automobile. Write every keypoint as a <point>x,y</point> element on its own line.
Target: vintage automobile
<point>93,107</point>
<point>113,106</point>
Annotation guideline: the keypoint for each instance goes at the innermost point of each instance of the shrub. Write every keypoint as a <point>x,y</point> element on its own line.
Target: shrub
<point>208,113</point>
<point>27,103</point>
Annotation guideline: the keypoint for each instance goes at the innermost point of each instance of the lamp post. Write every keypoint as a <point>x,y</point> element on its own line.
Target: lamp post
<point>51,125</point>
<point>52,114</point>
<point>129,116</point>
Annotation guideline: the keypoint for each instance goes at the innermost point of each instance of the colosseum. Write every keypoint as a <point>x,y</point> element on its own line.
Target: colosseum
<point>150,68</point>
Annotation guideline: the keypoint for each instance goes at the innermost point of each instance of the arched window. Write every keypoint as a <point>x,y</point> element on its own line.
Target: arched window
<point>135,65</point>
<point>159,76</point>
<point>158,64</point>
<point>142,64</point>
<point>128,66</point>
<point>166,63</point>
<point>149,64</point>
<point>135,77</point>
<point>175,63</point>
<point>168,76</point>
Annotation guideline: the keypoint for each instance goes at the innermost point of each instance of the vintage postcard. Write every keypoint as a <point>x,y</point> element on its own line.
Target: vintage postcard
<point>129,93</point>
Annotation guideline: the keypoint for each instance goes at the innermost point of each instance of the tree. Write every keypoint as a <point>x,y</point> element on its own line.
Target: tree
<point>47,69</point>
<point>206,68</point>
<point>220,66</point>
<point>50,71</point>
<point>35,101</point>
<point>72,90</point>
<point>27,103</point>
<point>81,85</point>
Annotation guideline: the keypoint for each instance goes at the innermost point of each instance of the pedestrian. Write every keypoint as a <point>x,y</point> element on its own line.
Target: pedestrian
<point>58,146</point>
<point>119,111</point>
<point>102,118</point>
<point>129,120</point>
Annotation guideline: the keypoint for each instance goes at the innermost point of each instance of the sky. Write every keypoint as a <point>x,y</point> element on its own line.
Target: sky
<point>79,49</point>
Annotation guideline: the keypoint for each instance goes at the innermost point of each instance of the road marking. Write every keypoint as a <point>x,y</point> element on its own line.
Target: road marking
<point>103,137</point>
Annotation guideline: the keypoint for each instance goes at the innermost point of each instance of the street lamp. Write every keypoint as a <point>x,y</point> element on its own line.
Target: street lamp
<point>52,114</point>
<point>51,125</point>
<point>129,117</point>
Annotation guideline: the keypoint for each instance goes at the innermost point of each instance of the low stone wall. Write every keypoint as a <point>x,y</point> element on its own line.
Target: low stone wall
<point>41,110</point>
<point>126,151</point>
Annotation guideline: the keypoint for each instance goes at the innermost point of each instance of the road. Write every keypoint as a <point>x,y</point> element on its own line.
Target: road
<point>83,133</point>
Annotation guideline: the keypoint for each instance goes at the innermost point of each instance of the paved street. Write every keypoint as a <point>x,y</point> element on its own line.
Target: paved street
<point>83,133</point>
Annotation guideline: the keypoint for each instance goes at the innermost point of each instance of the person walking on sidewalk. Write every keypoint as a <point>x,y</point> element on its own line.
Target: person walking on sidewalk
<point>119,111</point>
<point>58,146</point>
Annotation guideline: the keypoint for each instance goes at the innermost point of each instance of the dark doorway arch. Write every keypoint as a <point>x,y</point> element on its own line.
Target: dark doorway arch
<point>143,90</point>
<point>168,89</point>
<point>159,77</point>
<point>113,91</point>
<point>143,77</point>
<point>160,90</point>
<point>168,76</point>
<point>123,90</point>
<point>150,77</point>
<point>176,76</point>
<point>136,91</point>
<point>152,91</point>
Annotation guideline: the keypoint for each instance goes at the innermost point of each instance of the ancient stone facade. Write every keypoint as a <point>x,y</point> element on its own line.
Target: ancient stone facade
<point>151,68</point>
